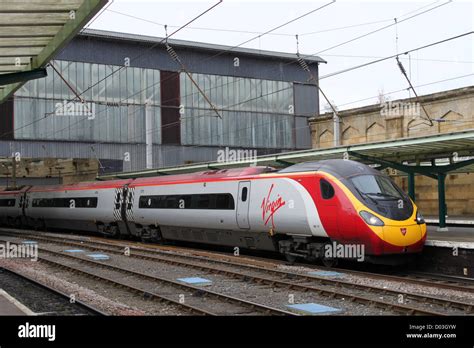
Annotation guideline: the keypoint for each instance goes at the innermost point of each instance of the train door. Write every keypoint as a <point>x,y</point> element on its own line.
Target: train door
<point>129,196</point>
<point>120,210</point>
<point>243,201</point>
<point>23,204</point>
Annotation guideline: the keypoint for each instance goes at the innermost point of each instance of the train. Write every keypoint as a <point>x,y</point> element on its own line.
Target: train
<point>302,211</point>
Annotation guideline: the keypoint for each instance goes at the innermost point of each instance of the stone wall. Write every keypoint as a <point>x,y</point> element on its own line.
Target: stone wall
<point>66,170</point>
<point>453,111</point>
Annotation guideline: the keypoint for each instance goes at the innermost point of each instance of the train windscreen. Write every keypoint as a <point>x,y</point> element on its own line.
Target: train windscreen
<point>376,186</point>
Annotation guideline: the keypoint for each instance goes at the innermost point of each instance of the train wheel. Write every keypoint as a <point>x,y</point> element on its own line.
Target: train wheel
<point>329,262</point>
<point>154,236</point>
<point>290,258</point>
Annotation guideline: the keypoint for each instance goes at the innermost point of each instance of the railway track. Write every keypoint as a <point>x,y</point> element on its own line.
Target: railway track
<point>333,288</point>
<point>462,284</point>
<point>77,302</point>
<point>441,280</point>
<point>239,306</point>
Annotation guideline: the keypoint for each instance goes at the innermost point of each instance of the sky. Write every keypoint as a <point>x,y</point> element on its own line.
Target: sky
<point>438,68</point>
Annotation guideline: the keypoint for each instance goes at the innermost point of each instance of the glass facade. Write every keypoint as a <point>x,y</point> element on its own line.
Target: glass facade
<point>255,113</point>
<point>116,112</point>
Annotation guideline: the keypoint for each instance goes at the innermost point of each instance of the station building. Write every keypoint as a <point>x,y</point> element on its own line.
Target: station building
<point>142,109</point>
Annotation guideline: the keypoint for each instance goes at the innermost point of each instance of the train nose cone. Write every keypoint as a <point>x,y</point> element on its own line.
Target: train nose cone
<point>404,238</point>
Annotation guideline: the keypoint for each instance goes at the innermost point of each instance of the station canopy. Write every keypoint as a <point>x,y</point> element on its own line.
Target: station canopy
<point>33,31</point>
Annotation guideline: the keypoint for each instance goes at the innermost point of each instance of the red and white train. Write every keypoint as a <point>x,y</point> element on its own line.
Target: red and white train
<point>296,211</point>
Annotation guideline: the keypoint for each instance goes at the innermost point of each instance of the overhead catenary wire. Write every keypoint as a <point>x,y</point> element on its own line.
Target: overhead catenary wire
<point>154,45</point>
<point>389,57</point>
<point>301,60</point>
<point>165,39</point>
<point>119,69</point>
<point>376,30</point>
<point>402,58</point>
<point>268,32</point>
<point>404,89</point>
<point>385,58</point>
<point>402,69</point>
<point>176,58</point>
<point>97,16</point>
<point>414,11</point>
<point>395,55</point>
<point>225,30</point>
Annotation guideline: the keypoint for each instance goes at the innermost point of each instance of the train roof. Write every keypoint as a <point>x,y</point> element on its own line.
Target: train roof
<point>82,185</point>
<point>200,176</point>
<point>338,167</point>
<point>8,191</point>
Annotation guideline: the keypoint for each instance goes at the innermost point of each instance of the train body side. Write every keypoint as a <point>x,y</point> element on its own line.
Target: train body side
<point>87,207</point>
<point>11,207</point>
<point>262,207</point>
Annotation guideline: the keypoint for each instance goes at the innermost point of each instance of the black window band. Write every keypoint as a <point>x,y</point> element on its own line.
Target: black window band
<point>217,201</point>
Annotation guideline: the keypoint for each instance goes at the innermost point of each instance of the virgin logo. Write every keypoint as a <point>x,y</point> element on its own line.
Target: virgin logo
<point>270,207</point>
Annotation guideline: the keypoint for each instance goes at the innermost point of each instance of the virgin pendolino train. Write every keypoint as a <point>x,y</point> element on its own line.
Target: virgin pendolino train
<point>296,211</point>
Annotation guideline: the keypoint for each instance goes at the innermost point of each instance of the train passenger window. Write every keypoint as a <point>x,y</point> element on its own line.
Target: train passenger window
<point>171,202</point>
<point>7,202</point>
<point>203,201</point>
<point>244,194</point>
<point>195,201</point>
<point>327,191</point>
<point>224,201</point>
<point>80,202</point>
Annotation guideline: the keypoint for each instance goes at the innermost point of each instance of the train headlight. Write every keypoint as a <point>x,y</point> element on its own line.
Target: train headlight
<point>371,219</point>
<point>419,218</point>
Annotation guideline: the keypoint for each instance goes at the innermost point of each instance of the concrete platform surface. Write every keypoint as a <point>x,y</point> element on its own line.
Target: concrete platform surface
<point>462,237</point>
<point>451,220</point>
<point>9,306</point>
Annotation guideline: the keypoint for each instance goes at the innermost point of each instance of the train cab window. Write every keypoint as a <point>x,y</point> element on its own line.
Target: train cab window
<point>244,194</point>
<point>327,191</point>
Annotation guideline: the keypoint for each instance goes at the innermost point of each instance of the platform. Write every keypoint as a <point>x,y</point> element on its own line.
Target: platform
<point>9,306</point>
<point>456,236</point>
<point>451,220</point>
